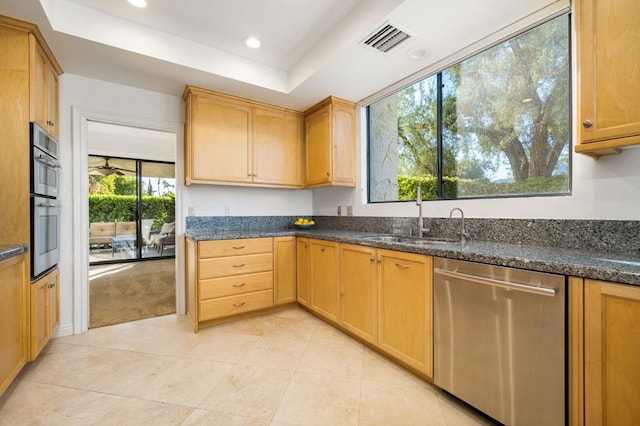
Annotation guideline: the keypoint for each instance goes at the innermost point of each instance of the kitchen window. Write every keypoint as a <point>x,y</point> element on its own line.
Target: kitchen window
<point>494,125</point>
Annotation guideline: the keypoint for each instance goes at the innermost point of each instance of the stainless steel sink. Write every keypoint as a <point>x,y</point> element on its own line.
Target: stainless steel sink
<point>409,240</point>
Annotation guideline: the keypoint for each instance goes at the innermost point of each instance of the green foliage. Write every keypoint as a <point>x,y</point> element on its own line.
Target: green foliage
<point>112,185</point>
<point>122,208</point>
<point>455,187</point>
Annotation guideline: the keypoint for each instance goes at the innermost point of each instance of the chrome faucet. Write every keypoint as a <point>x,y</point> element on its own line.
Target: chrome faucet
<point>463,231</point>
<point>421,229</point>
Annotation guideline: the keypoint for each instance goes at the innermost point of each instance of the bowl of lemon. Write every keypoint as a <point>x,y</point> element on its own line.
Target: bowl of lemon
<point>302,223</point>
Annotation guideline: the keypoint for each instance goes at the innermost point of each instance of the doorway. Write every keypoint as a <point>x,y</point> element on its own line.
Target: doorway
<point>131,216</point>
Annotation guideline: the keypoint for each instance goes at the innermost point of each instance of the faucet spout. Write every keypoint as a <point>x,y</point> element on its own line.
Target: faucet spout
<point>421,229</point>
<point>463,231</point>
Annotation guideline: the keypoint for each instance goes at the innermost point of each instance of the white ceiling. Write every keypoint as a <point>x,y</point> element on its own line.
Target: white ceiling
<point>311,48</point>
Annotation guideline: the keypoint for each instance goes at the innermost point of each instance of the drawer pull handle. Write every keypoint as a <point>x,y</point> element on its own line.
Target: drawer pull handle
<point>240,265</point>
<point>238,247</point>
<point>239,285</point>
<point>237,305</point>
<point>401,266</point>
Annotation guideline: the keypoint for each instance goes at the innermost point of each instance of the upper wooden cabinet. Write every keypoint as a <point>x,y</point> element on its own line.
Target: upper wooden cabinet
<point>608,88</point>
<point>235,141</point>
<point>330,143</point>
<point>44,88</point>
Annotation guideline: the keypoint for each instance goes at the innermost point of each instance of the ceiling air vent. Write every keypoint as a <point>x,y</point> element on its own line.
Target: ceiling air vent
<point>386,38</point>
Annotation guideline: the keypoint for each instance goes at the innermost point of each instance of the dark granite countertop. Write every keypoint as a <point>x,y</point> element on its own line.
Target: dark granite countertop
<point>7,251</point>
<point>580,263</point>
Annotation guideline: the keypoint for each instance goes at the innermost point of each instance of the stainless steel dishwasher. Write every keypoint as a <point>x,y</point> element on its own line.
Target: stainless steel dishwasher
<point>499,340</point>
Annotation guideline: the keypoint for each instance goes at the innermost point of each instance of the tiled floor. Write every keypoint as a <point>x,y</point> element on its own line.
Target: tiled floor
<point>286,368</point>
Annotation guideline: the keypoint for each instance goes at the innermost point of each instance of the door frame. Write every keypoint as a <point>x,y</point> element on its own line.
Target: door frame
<point>80,118</point>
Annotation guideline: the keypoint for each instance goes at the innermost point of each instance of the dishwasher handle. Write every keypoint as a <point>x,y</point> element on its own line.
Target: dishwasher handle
<point>542,291</point>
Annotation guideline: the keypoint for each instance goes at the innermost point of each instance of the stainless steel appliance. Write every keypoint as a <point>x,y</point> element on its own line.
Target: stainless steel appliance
<point>45,234</point>
<point>499,340</point>
<point>44,164</point>
<point>45,212</point>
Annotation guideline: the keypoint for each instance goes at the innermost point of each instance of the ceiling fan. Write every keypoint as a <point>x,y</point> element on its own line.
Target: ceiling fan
<point>106,169</point>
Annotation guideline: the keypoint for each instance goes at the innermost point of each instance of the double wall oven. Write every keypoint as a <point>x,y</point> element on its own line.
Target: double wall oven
<point>45,212</point>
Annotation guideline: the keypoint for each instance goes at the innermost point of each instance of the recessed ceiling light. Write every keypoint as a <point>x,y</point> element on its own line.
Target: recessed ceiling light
<point>252,42</point>
<point>138,3</point>
<point>417,53</point>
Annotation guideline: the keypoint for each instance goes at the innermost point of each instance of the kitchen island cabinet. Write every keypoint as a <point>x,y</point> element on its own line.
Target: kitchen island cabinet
<point>14,318</point>
<point>608,84</point>
<point>235,141</point>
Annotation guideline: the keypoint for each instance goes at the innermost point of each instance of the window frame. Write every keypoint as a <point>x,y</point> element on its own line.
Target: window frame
<point>437,72</point>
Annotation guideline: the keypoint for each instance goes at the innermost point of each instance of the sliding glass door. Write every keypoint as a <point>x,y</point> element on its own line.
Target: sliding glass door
<point>131,209</point>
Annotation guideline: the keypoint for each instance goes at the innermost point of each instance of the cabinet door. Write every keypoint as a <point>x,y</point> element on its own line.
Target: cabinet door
<point>358,291</point>
<point>52,101</point>
<point>53,298</point>
<point>609,83</point>
<point>39,316</point>
<point>220,136</point>
<point>405,329</point>
<point>14,334</point>
<point>343,129</point>
<point>38,76</point>
<point>318,147</point>
<point>302,270</point>
<point>284,252</point>
<point>277,147</point>
<point>324,296</point>
<point>612,351</point>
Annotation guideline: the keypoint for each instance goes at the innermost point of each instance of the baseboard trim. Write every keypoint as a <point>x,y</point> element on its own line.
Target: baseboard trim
<point>64,330</point>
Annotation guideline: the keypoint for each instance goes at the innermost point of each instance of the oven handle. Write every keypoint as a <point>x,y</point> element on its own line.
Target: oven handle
<point>542,291</point>
<point>51,163</point>
<point>47,205</point>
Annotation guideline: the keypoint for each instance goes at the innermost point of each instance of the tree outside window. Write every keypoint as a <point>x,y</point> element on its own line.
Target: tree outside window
<point>496,124</point>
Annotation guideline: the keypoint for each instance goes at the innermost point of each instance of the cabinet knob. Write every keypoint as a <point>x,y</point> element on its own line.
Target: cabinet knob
<point>322,249</point>
<point>587,123</point>
<point>372,259</point>
<point>328,174</point>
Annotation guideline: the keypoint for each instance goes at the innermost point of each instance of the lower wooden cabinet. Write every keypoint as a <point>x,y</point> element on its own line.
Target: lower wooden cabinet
<point>383,297</point>
<point>284,264</point>
<point>228,277</point>
<point>302,270</point>
<point>611,353</point>
<point>14,318</point>
<point>359,291</point>
<point>324,297</point>
<point>44,311</point>
<point>405,326</point>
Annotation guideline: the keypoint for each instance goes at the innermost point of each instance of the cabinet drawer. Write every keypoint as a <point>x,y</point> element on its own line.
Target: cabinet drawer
<point>218,267</point>
<point>231,305</point>
<point>234,247</point>
<point>238,284</point>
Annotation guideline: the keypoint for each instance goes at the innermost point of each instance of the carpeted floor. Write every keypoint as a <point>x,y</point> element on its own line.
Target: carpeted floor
<point>127,292</point>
